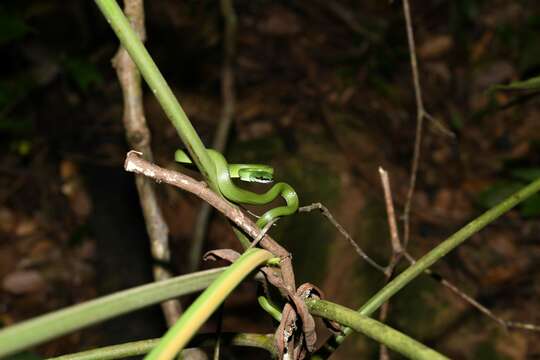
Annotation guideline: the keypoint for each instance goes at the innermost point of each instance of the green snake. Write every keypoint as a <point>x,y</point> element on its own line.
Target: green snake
<point>250,173</point>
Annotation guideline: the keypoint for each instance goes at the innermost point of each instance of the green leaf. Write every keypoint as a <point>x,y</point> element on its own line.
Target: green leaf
<point>529,84</point>
<point>12,28</point>
<point>498,192</point>
<point>526,174</point>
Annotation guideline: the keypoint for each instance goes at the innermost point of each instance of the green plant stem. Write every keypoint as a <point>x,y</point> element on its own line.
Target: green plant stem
<point>28,333</point>
<point>200,310</point>
<point>153,77</point>
<point>430,258</point>
<point>374,329</point>
<point>131,42</point>
<point>142,347</point>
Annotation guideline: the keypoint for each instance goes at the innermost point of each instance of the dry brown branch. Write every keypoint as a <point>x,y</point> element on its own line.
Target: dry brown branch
<point>138,136</point>
<point>220,140</point>
<point>390,212</point>
<point>420,114</point>
<point>397,249</point>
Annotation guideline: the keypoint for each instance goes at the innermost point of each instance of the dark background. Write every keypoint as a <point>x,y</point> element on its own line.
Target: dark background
<point>324,94</point>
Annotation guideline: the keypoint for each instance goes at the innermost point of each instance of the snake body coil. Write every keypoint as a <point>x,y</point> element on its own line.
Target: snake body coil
<point>252,173</point>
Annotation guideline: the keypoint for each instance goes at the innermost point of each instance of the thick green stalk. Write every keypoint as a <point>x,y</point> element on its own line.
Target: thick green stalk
<point>437,253</point>
<point>142,347</point>
<point>28,333</point>
<point>178,336</point>
<point>131,42</point>
<point>374,329</point>
<point>140,56</point>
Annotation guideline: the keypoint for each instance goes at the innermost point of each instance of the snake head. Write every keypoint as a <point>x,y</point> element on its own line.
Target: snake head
<point>261,174</point>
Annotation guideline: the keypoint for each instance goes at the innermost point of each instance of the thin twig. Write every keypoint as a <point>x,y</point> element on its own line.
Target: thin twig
<point>390,212</point>
<point>397,249</point>
<point>383,314</point>
<point>220,140</point>
<point>138,136</point>
<point>218,334</point>
<point>344,233</point>
<point>420,114</point>
<point>263,232</point>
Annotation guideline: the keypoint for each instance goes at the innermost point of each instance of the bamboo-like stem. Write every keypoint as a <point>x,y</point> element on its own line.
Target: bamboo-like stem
<point>431,257</point>
<point>200,310</point>
<point>131,42</point>
<point>135,348</point>
<point>374,329</point>
<point>42,328</point>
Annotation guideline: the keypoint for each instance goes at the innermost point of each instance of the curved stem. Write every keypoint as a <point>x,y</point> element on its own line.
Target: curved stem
<point>48,326</point>
<point>142,347</point>
<point>178,336</point>
<point>374,329</point>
